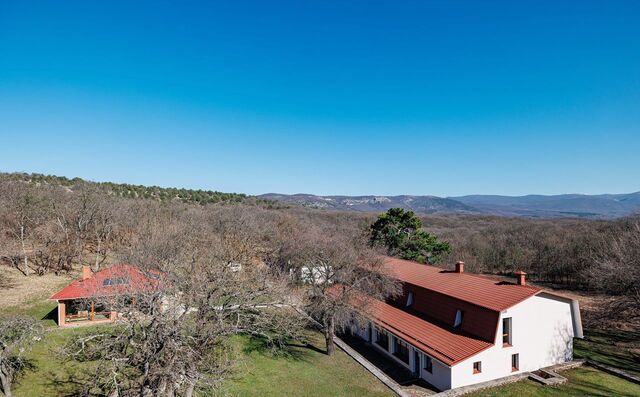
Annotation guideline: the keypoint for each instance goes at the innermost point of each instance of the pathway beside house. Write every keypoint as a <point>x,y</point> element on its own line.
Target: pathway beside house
<point>406,382</point>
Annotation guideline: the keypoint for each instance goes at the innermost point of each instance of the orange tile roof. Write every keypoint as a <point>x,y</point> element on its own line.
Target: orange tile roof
<point>476,289</point>
<point>138,280</point>
<point>437,341</point>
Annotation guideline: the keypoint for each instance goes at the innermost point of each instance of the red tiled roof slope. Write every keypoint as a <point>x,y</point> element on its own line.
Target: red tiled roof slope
<point>94,286</point>
<point>478,290</point>
<point>439,342</point>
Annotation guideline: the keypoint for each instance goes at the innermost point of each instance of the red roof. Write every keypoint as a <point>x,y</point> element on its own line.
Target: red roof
<point>437,295</point>
<point>439,342</point>
<point>117,279</point>
<point>479,290</point>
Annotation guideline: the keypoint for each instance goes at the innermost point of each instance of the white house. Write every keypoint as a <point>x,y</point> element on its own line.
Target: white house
<point>455,329</point>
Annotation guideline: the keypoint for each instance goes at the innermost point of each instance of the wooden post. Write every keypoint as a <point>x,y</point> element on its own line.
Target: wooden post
<point>93,311</point>
<point>61,313</point>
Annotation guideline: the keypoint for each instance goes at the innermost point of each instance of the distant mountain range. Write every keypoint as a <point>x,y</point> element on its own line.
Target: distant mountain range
<point>603,206</point>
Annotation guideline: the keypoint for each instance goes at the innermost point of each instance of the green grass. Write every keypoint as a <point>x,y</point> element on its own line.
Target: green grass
<point>304,371</point>
<point>301,371</point>
<point>50,374</point>
<point>583,381</point>
<point>612,348</point>
<point>45,311</point>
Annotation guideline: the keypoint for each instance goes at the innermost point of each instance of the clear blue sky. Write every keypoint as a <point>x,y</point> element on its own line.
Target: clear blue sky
<point>357,97</point>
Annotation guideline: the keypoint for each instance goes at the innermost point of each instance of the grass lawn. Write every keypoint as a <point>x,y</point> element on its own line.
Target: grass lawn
<point>302,371</point>
<point>305,371</point>
<point>614,348</point>
<point>583,381</point>
<point>45,311</point>
<point>50,374</point>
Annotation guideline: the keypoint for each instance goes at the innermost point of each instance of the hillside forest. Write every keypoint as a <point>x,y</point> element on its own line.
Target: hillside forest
<point>53,224</point>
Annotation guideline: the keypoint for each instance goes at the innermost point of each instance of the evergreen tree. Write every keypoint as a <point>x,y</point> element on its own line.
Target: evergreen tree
<point>400,232</point>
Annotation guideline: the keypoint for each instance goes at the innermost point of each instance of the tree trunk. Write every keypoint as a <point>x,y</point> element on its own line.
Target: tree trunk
<point>97,263</point>
<point>24,251</point>
<point>6,385</point>
<point>329,331</point>
<point>190,389</point>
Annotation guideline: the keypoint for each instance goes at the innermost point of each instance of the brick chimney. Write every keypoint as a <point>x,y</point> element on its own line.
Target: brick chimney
<point>521,277</point>
<point>86,272</point>
<point>459,267</point>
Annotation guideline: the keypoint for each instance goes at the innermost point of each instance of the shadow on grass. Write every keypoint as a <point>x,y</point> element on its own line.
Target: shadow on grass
<point>295,350</point>
<point>611,347</point>
<point>68,384</point>
<point>51,316</point>
<point>592,382</point>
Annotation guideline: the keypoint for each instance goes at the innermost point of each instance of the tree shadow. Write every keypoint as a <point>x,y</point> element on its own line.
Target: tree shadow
<point>52,315</point>
<point>296,350</point>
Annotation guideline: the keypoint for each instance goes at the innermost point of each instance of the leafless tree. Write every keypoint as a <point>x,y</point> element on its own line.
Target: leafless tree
<point>22,214</point>
<point>337,271</point>
<point>17,336</point>
<point>617,269</point>
<point>171,340</point>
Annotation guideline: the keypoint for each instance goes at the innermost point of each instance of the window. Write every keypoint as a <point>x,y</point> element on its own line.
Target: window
<point>410,299</point>
<point>382,339</point>
<point>401,350</point>
<point>515,362</point>
<point>477,367</point>
<point>506,331</point>
<point>458,321</point>
<point>428,364</point>
<point>115,281</point>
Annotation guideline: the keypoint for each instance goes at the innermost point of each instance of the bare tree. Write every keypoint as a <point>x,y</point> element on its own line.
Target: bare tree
<point>104,223</point>
<point>23,214</point>
<point>171,338</point>
<point>617,269</point>
<point>338,271</point>
<point>17,336</point>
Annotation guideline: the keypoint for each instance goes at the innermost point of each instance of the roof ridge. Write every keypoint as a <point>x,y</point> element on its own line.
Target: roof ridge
<point>485,291</point>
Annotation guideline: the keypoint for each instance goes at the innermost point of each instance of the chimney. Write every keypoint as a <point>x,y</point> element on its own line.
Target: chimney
<point>86,272</point>
<point>459,267</point>
<point>521,277</point>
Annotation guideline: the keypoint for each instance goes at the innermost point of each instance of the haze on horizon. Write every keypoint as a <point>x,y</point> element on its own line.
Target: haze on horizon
<point>365,98</point>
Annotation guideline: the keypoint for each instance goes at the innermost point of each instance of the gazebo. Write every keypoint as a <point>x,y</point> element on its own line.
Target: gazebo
<point>85,301</point>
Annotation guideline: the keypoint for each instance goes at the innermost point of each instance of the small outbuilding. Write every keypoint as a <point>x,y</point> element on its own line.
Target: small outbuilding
<point>85,301</point>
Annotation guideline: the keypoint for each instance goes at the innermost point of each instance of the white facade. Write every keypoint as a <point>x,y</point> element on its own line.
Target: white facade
<point>542,331</point>
<point>542,335</point>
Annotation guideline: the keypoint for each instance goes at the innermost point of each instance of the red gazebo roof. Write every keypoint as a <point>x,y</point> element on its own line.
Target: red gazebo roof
<point>114,280</point>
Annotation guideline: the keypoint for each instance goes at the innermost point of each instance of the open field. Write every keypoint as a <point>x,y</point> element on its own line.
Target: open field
<point>18,290</point>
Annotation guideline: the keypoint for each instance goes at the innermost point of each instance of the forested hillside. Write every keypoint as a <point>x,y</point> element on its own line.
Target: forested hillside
<point>53,223</point>
<point>131,191</point>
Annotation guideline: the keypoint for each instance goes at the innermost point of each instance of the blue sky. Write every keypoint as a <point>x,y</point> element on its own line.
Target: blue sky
<point>360,97</point>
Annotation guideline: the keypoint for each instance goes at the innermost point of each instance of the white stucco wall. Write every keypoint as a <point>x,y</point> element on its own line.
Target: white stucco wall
<point>542,334</point>
<point>440,376</point>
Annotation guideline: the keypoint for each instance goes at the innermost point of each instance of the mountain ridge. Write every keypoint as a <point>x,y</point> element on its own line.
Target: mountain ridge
<point>600,206</point>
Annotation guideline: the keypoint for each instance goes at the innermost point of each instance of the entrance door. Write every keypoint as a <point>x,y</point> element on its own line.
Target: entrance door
<point>416,363</point>
<point>370,333</point>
